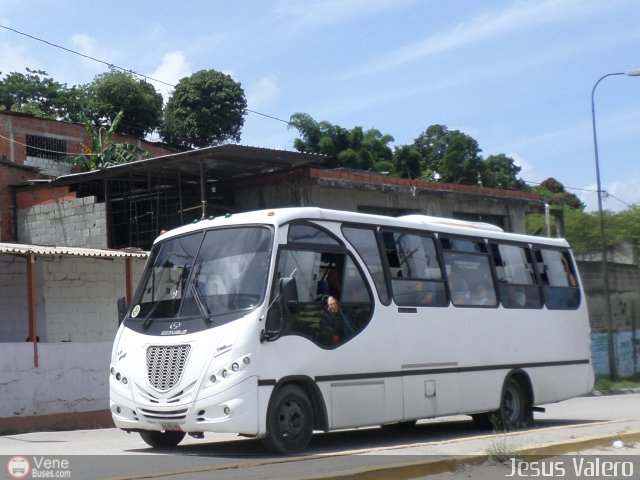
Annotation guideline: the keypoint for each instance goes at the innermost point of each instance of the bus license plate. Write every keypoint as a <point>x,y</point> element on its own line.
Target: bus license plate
<point>171,427</point>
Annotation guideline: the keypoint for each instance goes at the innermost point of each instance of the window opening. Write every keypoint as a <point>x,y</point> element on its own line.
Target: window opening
<point>468,272</point>
<point>416,275</point>
<point>365,243</point>
<point>558,276</point>
<point>516,276</point>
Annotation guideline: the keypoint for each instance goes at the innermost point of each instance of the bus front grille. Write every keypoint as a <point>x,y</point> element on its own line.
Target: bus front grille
<point>170,415</point>
<point>165,365</point>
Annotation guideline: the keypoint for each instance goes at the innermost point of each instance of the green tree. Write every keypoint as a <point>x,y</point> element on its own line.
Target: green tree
<point>408,163</point>
<point>103,152</point>
<point>500,171</point>
<point>452,155</point>
<point>356,148</point>
<point>116,91</point>
<point>551,191</point>
<point>206,108</point>
<point>38,94</point>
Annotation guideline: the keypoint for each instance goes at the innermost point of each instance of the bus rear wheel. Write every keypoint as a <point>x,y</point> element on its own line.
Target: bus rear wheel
<point>515,407</point>
<point>166,439</point>
<point>289,421</point>
<point>514,413</point>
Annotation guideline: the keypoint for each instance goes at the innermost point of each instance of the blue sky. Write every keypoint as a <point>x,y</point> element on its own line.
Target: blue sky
<point>515,75</point>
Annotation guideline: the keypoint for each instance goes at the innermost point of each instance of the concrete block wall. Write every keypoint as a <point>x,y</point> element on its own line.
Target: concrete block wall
<point>52,168</point>
<point>14,317</point>
<point>14,320</point>
<point>81,297</point>
<point>71,377</point>
<point>79,222</point>
<point>75,297</point>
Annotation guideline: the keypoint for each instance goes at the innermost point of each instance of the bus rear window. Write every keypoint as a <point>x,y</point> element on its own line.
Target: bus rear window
<point>557,274</point>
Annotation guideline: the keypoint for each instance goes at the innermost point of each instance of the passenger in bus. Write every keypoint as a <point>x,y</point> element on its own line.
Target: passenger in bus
<point>460,294</point>
<point>482,295</point>
<point>334,326</point>
<point>516,297</point>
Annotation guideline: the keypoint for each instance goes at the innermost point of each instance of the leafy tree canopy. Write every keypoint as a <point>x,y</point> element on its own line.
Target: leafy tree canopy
<point>117,91</point>
<point>500,171</point>
<point>551,191</point>
<point>356,148</point>
<point>206,108</point>
<point>38,94</point>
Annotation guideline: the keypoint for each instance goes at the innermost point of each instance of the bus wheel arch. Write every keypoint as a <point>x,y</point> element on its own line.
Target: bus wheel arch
<point>516,402</point>
<point>295,410</point>
<point>515,408</point>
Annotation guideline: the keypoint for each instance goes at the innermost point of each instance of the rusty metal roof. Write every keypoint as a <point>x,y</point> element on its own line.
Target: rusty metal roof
<point>221,162</point>
<point>41,250</point>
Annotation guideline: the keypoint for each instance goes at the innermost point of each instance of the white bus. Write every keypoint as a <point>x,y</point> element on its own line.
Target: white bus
<point>273,324</point>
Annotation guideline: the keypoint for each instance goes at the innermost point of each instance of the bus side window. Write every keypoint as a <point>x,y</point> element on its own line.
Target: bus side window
<point>416,278</point>
<point>469,273</point>
<point>560,287</point>
<point>334,303</point>
<point>364,242</point>
<point>516,277</point>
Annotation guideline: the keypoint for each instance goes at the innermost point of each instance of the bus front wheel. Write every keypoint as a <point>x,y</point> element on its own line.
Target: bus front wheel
<point>166,439</point>
<point>289,421</point>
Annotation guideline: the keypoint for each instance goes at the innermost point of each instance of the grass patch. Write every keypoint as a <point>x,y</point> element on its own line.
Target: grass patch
<point>503,448</point>
<point>606,384</point>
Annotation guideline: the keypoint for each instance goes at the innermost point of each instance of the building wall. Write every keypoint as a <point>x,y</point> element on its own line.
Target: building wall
<point>77,322</point>
<point>11,174</point>
<point>71,377</point>
<point>343,195</point>
<point>51,168</point>
<point>72,222</point>
<point>75,297</point>
<point>16,126</point>
<point>81,295</point>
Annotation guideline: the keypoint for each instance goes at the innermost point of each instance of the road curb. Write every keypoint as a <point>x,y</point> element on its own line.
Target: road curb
<point>449,464</point>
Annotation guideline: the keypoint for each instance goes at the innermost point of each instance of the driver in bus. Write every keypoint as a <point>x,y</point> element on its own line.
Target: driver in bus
<point>334,327</point>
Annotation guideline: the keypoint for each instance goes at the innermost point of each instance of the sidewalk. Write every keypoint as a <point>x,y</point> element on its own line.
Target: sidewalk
<point>465,455</point>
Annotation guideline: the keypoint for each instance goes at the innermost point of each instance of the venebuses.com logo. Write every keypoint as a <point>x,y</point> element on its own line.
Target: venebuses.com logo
<point>38,467</point>
<point>18,467</point>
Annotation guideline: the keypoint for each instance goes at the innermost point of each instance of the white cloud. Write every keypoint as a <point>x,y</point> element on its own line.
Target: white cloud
<point>518,17</point>
<point>173,67</point>
<point>14,58</point>
<point>304,15</point>
<point>618,195</point>
<point>88,45</point>
<point>263,93</point>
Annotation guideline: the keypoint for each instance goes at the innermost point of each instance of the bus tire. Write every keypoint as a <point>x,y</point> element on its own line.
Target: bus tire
<point>515,407</point>
<point>166,439</point>
<point>289,421</point>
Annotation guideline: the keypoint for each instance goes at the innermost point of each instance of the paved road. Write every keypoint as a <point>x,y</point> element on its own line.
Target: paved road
<point>110,453</point>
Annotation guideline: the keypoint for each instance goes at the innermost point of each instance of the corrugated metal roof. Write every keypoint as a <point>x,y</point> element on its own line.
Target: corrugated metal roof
<point>22,249</point>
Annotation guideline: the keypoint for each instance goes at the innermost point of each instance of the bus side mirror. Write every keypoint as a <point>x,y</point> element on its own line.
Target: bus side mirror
<point>122,309</point>
<point>288,295</point>
<point>288,304</point>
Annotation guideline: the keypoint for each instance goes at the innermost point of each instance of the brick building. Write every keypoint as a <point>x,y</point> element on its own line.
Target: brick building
<point>34,149</point>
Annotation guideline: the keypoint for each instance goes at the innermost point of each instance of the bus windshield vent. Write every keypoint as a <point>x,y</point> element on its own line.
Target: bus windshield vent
<point>165,365</point>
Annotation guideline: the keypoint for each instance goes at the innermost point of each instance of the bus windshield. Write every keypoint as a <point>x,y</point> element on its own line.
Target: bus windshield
<point>205,274</point>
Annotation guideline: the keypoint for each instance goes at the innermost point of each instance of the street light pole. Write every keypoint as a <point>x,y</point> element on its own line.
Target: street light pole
<point>603,238</point>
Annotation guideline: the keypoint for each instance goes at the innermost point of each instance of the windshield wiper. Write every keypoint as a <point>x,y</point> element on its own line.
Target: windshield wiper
<point>197,295</point>
<point>147,319</point>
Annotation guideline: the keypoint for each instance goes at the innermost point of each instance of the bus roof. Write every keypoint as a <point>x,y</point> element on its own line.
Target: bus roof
<point>280,216</point>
